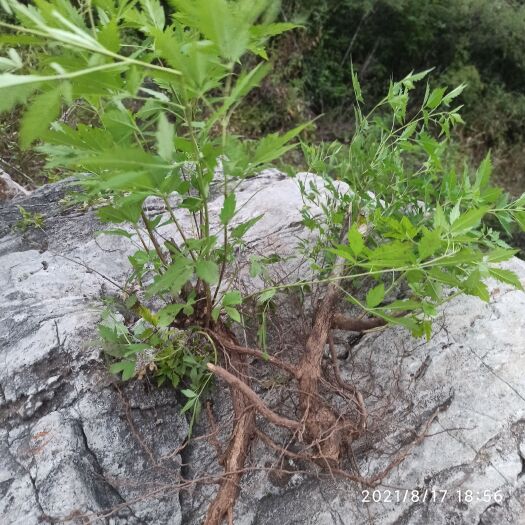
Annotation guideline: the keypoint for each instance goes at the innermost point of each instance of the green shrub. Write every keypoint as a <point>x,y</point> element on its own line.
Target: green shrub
<point>162,110</point>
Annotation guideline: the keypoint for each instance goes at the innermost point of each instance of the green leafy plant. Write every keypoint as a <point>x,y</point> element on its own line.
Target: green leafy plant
<point>423,227</point>
<point>29,220</point>
<point>161,89</point>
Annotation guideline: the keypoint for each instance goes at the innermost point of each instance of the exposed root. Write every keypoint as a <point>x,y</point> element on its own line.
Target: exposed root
<point>233,347</point>
<point>235,456</point>
<point>321,423</point>
<point>257,402</point>
<point>323,434</point>
<point>351,388</point>
<point>354,324</point>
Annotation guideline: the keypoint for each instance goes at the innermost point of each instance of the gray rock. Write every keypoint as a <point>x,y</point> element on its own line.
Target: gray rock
<point>77,445</point>
<point>74,442</point>
<point>9,189</point>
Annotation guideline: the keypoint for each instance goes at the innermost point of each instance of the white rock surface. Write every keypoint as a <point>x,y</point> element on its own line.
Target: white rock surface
<point>73,442</point>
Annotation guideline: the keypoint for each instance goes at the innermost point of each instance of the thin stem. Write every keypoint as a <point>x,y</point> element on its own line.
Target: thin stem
<point>178,226</point>
<point>151,235</point>
<point>224,124</point>
<point>94,49</point>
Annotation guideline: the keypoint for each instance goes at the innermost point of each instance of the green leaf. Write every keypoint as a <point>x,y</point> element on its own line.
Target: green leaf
<point>484,172</point>
<point>233,313</point>
<point>190,394</point>
<point>256,268</point>
<point>455,213</point>
<point>168,314</point>
<point>165,135</point>
<point>430,243</point>
<point>475,286</point>
<point>356,85</point>
<point>266,295</point>
<point>44,109</point>
<point>232,298</point>
<point>273,146</point>
<point>435,98</point>
<point>355,240</point>
<point>126,367</point>
<point>444,277</point>
<point>109,36</point>
<point>463,256</point>
<point>391,255</point>
<point>119,232</point>
<point>500,254</point>
<point>208,271</point>
<point>403,305</point>
<point>175,277</point>
<point>8,80</point>
<point>241,229</point>
<point>468,220</point>
<point>439,218</point>
<point>375,296</point>
<point>154,13</point>
<point>228,209</point>
<point>506,276</point>
<point>451,95</point>
<point>519,216</point>
<point>274,29</point>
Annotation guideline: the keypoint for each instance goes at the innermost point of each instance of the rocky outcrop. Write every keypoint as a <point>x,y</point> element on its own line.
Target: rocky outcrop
<point>76,446</point>
<point>10,189</point>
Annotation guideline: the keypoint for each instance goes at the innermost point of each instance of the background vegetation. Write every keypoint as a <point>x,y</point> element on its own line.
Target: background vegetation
<point>478,42</point>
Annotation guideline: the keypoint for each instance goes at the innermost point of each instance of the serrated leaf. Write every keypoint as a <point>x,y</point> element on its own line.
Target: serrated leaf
<point>273,146</point>
<point>126,367</point>
<point>429,244</point>
<point>208,271</point>
<point>519,216</point>
<point>500,254</point>
<point>228,209</point>
<point>475,286</point>
<point>435,98</point>
<point>506,276</point>
<point>233,313</point>
<point>266,295</point>
<point>391,255</point>
<point>355,240</point>
<point>484,172</point>
<point>174,278</point>
<point>44,109</point>
<point>232,298</point>
<point>451,95</point>
<point>356,85</point>
<point>190,394</point>
<point>455,213</point>
<point>154,13</point>
<point>439,218</point>
<point>165,135</point>
<point>375,296</point>
<point>241,229</point>
<point>119,232</point>
<point>468,220</point>
<point>464,256</point>
<point>109,36</point>
<point>168,314</point>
